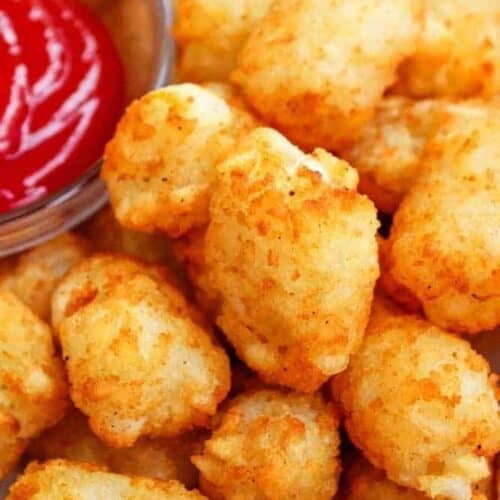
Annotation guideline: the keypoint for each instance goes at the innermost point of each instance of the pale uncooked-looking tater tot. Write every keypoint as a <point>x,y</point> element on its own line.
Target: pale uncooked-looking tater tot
<point>316,69</point>
<point>160,165</point>
<point>272,445</point>
<point>58,479</point>
<point>420,403</point>
<point>292,255</point>
<point>139,360</point>
<point>444,245</point>
<point>210,34</point>
<point>33,390</point>
<point>72,439</point>
<point>34,275</point>
<point>458,54</point>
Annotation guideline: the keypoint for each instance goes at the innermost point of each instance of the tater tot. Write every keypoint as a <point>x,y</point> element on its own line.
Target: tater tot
<point>486,489</point>
<point>420,403</point>
<point>98,274</point>
<point>160,458</point>
<point>388,153</point>
<point>210,34</point>
<point>139,366</point>
<point>34,275</point>
<point>160,165</point>
<point>292,254</point>
<point>458,54</point>
<point>496,472</point>
<point>243,379</point>
<point>315,69</point>
<point>11,447</point>
<point>362,481</point>
<point>190,252</point>
<point>61,479</point>
<point>444,245</point>
<point>107,235</point>
<point>243,118</point>
<point>272,445</point>
<point>403,296</point>
<point>72,439</point>
<point>33,390</point>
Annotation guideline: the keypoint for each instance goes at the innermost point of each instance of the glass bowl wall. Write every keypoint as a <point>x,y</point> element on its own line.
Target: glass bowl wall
<point>140,30</point>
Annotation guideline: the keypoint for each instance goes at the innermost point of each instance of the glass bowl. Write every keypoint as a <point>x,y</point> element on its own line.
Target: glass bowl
<point>140,30</point>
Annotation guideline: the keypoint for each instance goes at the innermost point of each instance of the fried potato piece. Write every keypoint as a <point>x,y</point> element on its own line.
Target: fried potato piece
<point>362,481</point>
<point>458,54</point>
<point>59,479</point>
<point>11,447</point>
<point>390,286</point>
<point>107,235</point>
<point>420,403</point>
<point>100,273</point>
<point>291,251</point>
<point>485,489</point>
<point>389,152</point>
<point>189,250</point>
<point>34,275</point>
<point>444,245</point>
<point>210,34</point>
<point>160,165</point>
<point>71,439</point>
<point>165,459</point>
<point>272,445</point>
<point>139,365</point>
<point>33,391</point>
<point>160,458</point>
<point>243,118</point>
<point>243,379</point>
<point>496,470</point>
<point>316,69</point>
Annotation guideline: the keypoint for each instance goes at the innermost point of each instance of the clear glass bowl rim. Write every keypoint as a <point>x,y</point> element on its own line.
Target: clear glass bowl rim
<point>27,226</point>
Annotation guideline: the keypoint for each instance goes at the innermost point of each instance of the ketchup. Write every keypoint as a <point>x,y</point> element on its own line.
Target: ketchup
<point>61,95</point>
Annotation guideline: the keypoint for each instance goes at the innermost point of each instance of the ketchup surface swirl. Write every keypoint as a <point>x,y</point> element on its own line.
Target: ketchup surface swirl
<point>61,94</point>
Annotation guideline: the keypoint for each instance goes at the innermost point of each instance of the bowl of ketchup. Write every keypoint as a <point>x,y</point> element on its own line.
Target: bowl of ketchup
<point>69,68</point>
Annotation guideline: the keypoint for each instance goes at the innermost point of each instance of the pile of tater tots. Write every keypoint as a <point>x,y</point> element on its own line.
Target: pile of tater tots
<point>238,324</point>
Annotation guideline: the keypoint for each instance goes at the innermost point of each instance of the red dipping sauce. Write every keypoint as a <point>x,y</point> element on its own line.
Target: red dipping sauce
<point>62,92</point>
